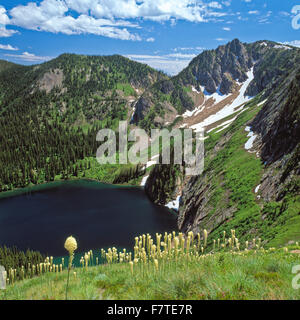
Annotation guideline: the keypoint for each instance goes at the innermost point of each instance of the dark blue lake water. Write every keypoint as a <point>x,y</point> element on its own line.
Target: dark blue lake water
<point>97,215</point>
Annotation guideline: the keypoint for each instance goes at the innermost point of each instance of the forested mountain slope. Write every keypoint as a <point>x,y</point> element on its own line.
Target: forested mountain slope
<point>50,113</point>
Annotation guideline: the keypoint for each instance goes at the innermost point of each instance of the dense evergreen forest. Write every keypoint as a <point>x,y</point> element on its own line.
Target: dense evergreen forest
<point>16,259</point>
<point>50,114</point>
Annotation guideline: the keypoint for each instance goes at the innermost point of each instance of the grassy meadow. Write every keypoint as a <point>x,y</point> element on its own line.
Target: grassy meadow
<point>172,267</point>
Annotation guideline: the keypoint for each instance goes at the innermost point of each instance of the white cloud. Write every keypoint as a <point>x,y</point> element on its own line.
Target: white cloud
<point>294,43</point>
<point>4,20</point>
<point>8,47</point>
<point>284,13</point>
<point>253,12</point>
<point>28,57</point>
<point>109,18</point>
<point>221,39</point>
<point>171,63</point>
<point>182,55</point>
<point>215,4</point>
<point>226,29</point>
<point>5,33</point>
<point>150,39</point>
<point>227,3</point>
<point>50,16</point>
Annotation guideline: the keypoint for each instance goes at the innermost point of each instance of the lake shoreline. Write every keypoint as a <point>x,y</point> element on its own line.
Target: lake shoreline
<point>52,184</point>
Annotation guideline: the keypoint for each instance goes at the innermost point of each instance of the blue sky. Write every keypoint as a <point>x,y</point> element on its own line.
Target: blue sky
<point>166,34</point>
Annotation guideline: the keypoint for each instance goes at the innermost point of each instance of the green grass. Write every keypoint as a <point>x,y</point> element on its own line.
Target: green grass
<point>232,174</point>
<point>221,276</point>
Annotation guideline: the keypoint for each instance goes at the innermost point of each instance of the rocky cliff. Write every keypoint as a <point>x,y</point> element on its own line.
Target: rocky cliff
<point>252,186</point>
<point>216,71</point>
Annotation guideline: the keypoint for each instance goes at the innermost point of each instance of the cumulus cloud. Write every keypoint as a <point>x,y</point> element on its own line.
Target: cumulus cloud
<point>28,57</point>
<point>5,33</point>
<point>4,20</point>
<point>226,28</point>
<point>3,16</point>
<point>51,16</point>
<point>8,47</point>
<point>109,18</point>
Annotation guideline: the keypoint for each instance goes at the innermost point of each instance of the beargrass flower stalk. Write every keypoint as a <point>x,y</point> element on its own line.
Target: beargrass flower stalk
<point>259,242</point>
<point>247,244</point>
<point>224,235</point>
<point>214,244</point>
<point>199,240</point>
<point>218,243</point>
<point>97,260</point>
<point>131,267</point>
<point>86,259</point>
<point>156,264</point>
<point>70,246</point>
<point>205,237</point>
<point>188,242</point>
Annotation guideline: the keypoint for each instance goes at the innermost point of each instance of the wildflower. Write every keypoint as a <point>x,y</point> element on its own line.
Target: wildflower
<point>156,264</point>
<point>131,266</point>
<point>71,246</point>
<point>205,237</point>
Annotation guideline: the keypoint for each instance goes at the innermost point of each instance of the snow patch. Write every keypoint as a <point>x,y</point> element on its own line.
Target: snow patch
<point>195,90</point>
<point>252,137</point>
<point>224,124</point>
<point>230,108</point>
<point>257,188</point>
<point>174,204</point>
<point>150,163</point>
<point>144,180</point>
<point>261,103</point>
<point>281,46</point>
<point>217,96</point>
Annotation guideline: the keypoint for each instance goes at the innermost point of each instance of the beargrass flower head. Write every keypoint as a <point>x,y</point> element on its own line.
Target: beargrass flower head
<point>71,244</point>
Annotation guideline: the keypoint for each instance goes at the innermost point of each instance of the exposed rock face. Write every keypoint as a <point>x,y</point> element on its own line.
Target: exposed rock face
<point>142,107</point>
<point>278,122</point>
<point>220,69</point>
<point>277,127</point>
<point>50,80</point>
<point>227,83</point>
<point>210,66</point>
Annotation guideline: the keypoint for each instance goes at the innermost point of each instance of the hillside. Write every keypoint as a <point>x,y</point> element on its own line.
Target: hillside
<point>213,78</point>
<point>51,113</point>
<point>229,270</point>
<point>251,177</point>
